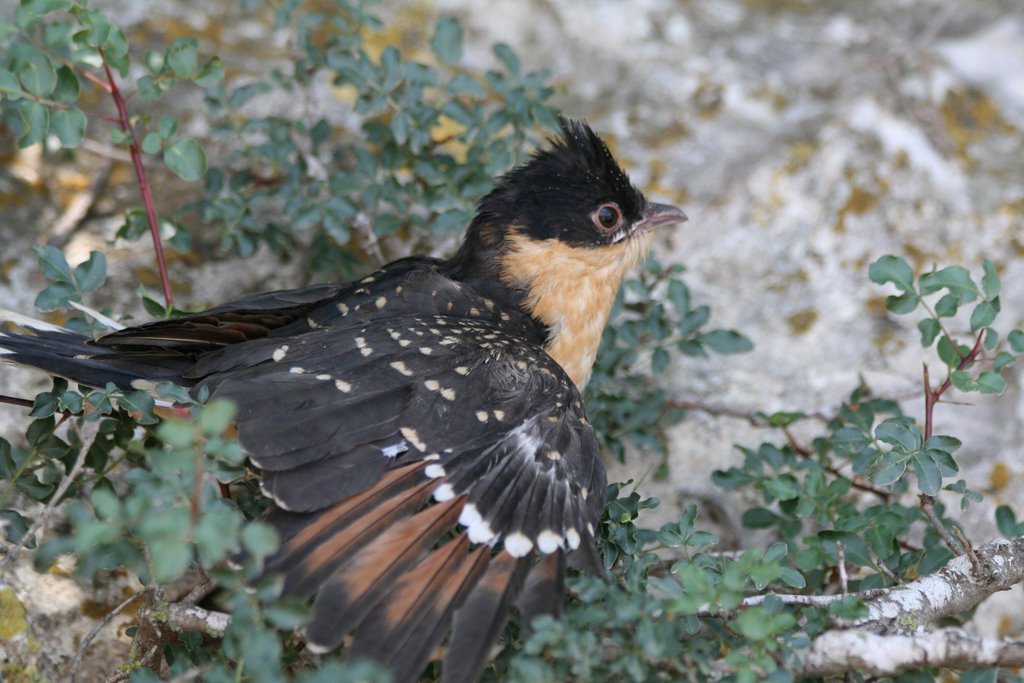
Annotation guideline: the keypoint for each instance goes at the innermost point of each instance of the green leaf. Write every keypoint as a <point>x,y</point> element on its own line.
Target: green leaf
<point>167,127</point>
<point>792,578</point>
<point>984,313</point>
<point>948,353</point>
<point>990,280</point>
<point>1016,340</point>
<point>901,433</point>
<point>216,416</point>
<point>53,264</point>
<point>152,143</point>
<point>659,361</point>
<point>929,479</point>
<point>890,471</point>
<point>91,274</point>
<point>35,122</point>
<point>929,328</point>
<point>447,41</point>
<point>181,56</point>
<point>259,539</point>
<point>892,269</point>
<point>8,83</point>
<point>991,382</point>
<point>962,380</point>
<point>69,125</point>
<point>186,159</point>
<point>956,279</point>
<point>36,72</point>
<point>1003,359</point>
<point>507,57</point>
<point>211,74</point>
<point>68,86</point>
<point>176,433</point>
<point>1006,522</point>
<point>726,341</point>
<point>940,442</point>
<point>947,306</point>
<point>776,552</point>
<point>56,297</point>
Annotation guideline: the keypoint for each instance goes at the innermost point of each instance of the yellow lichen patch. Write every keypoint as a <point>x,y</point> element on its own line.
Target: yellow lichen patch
<point>1009,627</point>
<point>858,203</point>
<point>875,305</point>
<point>444,134</point>
<point>800,154</point>
<point>970,117</point>
<point>802,321</point>
<point>12,615</point>
<point>1000,477</point>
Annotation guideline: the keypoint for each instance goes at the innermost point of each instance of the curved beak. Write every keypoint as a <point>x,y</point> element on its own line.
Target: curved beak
<point>660,214</point>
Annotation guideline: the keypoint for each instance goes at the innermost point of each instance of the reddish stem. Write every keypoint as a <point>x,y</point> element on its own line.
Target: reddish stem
<point>124,121</point>
<point>931,397</point>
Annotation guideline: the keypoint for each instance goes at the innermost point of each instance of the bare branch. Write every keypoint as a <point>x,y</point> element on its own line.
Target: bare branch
<point>190,618</point>
<point>837,652</point>
<point>77,662</point>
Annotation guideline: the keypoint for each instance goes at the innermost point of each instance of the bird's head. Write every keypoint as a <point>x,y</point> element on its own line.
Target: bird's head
<point>574,192</point>
<point>558,233</point>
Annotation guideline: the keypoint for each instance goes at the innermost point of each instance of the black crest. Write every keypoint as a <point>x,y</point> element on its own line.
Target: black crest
<point>555,193</point>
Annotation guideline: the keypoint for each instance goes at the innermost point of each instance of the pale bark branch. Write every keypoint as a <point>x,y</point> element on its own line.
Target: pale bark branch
<point>190,618</point>
<point>837,652</point>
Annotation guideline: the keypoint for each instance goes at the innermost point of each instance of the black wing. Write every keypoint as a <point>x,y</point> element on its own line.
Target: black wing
<point>431,463</point>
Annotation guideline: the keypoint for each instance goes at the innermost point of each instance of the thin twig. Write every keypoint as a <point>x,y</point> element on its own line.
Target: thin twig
<point>20,402</point>
<point>880,566</point>
<point>140,174</point>
<point>855,481</point>
<point>928,507</point>
<point>44,516</point>
<point>844,583</point>
<point>975,563</point>
<point>199,591</point>
<point>77,662</point>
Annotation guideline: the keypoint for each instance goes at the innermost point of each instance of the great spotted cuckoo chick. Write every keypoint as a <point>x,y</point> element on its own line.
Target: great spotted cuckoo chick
<point>420,431</point>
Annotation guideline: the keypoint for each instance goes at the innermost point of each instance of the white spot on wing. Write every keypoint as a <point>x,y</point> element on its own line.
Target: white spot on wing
<point>479,531</point>
<point>548,541</point>
<point>444,492</point>
<point>432,384</point>
<point>401,367</point>
<point>413,437</point>
<point>343,386</point>
<point>394,449</point>
<point>518,544</point>
<point>297,370</point>
<point>481,415</point>
<point>323,376</point>
<point>381,302</point>
<point>434,471</point>
<point>279,353</point>
<point>572,537</point>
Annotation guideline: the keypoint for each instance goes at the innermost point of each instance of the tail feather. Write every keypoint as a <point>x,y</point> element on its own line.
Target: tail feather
<point>406,627</point>
<point>353,591</point>
<point>482,616</point>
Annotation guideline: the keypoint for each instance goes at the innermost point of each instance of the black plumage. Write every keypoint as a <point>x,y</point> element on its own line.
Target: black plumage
<point>420,431</point>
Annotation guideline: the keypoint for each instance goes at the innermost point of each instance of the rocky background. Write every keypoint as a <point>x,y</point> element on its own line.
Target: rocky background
<point>804,139</point>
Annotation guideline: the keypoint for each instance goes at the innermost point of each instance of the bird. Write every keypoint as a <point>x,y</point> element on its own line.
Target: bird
<point>420,431</point>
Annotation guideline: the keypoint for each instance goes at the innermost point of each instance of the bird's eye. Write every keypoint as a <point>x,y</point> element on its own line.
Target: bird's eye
<point>607,217</point>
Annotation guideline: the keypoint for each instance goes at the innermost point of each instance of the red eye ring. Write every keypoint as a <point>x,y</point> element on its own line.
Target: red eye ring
<point>607,217</point>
